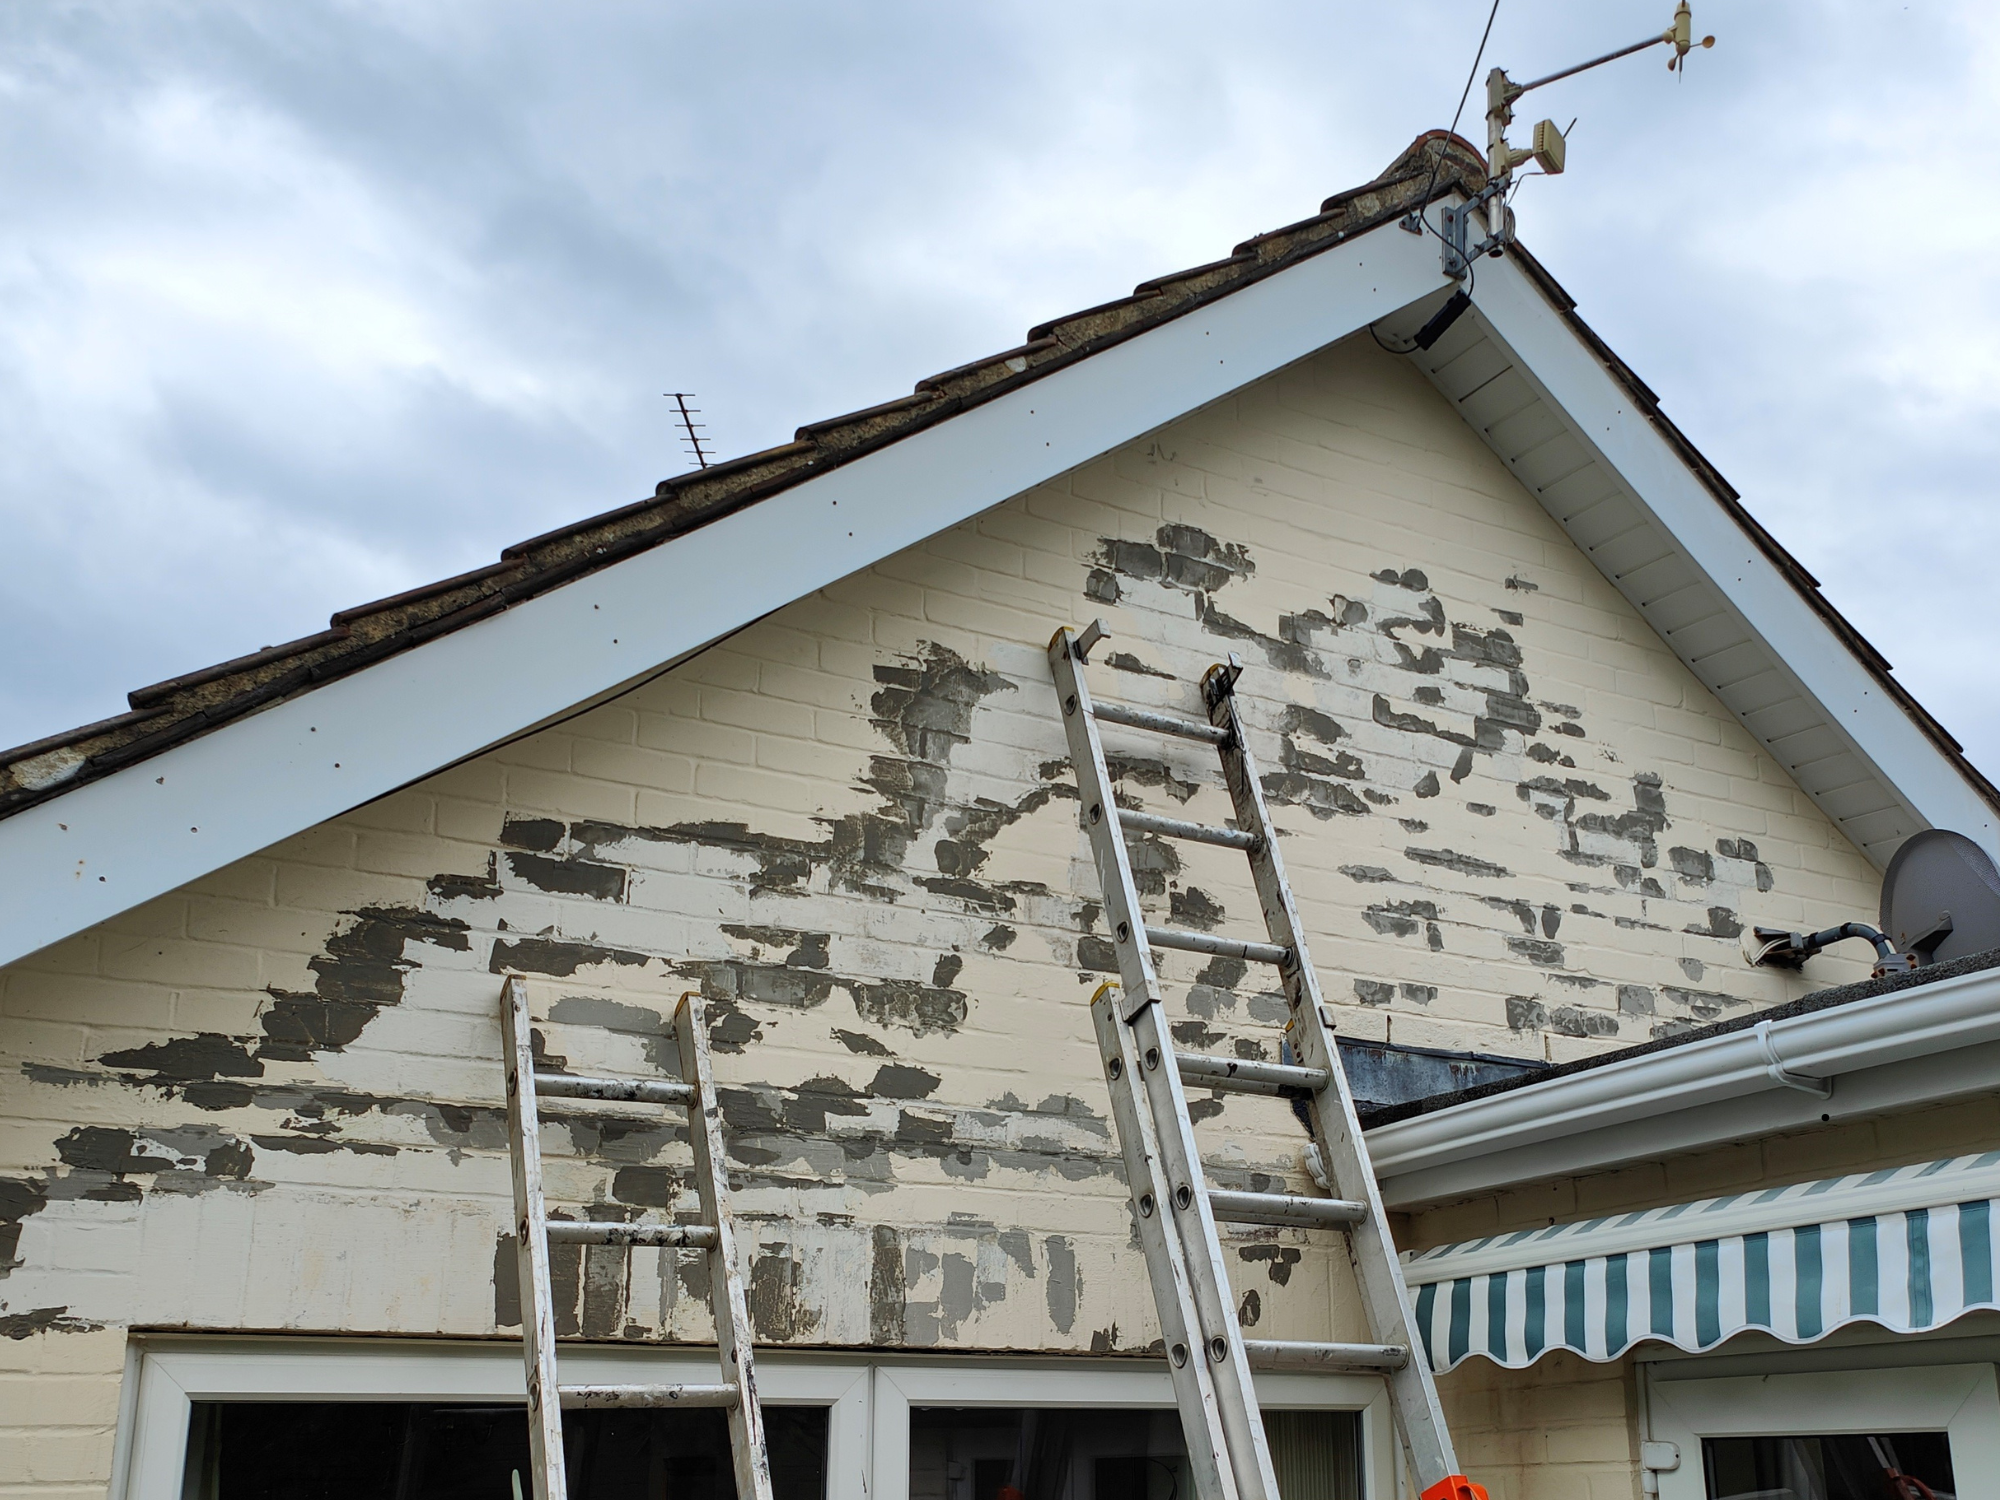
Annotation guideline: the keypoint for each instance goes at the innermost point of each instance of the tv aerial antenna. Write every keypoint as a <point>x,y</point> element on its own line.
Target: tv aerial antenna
<point>1546,148</point>
<point>697,445</point>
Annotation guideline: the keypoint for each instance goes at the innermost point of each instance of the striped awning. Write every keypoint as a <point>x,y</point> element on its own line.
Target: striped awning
<point>1908,1248</point>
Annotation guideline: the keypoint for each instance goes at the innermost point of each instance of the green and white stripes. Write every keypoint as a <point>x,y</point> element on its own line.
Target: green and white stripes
<point>1909,1248</point>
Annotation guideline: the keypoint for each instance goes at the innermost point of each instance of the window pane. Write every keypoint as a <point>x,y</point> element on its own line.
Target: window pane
<point>1317,1454</point>
<point>349,1450</point>
<point>1900,1466</point>
<point>1073,1453</point>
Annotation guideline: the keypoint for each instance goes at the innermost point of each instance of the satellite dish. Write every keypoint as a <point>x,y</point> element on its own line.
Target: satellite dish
<point>1941,898</point>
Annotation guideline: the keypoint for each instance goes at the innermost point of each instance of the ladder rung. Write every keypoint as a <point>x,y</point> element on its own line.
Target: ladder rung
<point>648,1395</point>
<point>571,1232</point>
<point>1285,1208</point>
<point>1145,718</point>
<point>626,1090</point>
<point>1180,828</point>
<point>1201,942</point>
<point>1327,1359</point>
<point>1241,1076</point>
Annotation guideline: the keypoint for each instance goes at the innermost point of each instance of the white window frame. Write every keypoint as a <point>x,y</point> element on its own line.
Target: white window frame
<point>868,1428</point>
<point>174,1373</point>
<point>1962,1401</point>
<point>1105,1383</point>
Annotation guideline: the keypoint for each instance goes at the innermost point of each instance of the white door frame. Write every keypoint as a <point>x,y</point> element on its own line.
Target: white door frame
<point>1963,1401</point>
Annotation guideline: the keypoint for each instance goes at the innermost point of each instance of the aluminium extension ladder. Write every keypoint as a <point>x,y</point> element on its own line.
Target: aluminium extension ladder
<point>1176,1212</point>
<point>535,1231</point>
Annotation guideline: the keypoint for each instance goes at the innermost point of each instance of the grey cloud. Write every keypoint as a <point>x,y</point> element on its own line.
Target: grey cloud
<point>305,303</point>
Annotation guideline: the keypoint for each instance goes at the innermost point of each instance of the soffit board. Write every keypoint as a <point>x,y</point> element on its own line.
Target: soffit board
<point>1576,439</point>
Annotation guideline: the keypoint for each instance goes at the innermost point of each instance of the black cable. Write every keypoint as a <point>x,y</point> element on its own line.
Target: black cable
<point>1464,94</point>
<point>1437,161</point>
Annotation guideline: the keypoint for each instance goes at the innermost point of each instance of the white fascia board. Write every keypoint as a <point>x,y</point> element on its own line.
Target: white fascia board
<point>111,844</point>
<point>1607,419</point>
<point>1906,1048</point>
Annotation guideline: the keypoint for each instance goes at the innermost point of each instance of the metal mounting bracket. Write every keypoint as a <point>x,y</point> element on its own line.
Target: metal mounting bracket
<point>1457,252</point>
<point>1775,1068</point>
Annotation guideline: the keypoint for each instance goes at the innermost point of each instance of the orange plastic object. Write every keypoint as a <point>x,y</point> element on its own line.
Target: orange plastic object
<point>1457,1487</point>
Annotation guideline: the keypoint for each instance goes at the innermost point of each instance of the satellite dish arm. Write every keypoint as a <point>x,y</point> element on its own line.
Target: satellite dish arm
<point>1775,948</point>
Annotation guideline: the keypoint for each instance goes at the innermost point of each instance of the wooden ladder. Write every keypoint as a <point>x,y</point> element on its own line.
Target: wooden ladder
<point>535,1231</point>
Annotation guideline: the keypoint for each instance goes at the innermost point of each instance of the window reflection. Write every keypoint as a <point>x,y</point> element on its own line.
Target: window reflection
<point>1073,1453</point>
<point>399,1450</point>
<point>1886,1466</point>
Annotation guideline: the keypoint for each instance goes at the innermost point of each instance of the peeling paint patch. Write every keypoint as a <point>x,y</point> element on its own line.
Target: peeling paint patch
<point>360,972</point>
<point>1309,778</point>
<point>558,957</point>
<point>1180,557</point>
<point>176,1159</point>
<point>887,1299</point>
<point>897,1081</point>
<point>777,1295</point>
<point>861,1043</point>
<point>20,1198</point>
<point>1277,1260</point>
<point>1125,661</point>
<point>920,1008</point>
<point>1064,1283</point>
<point>319,1145</point>
<point>195,1066</point>
<point>569,877</point>
<point>44,1320</point>
<point>1462,864</point>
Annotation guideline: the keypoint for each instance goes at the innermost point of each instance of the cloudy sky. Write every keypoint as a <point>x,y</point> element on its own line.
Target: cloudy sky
<point>305,303</point>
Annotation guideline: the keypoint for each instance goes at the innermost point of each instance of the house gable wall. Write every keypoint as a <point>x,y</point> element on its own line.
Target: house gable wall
<point>1516,825</point>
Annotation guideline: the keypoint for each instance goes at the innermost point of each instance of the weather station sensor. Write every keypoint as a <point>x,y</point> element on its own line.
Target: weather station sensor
<point>1546,150</point>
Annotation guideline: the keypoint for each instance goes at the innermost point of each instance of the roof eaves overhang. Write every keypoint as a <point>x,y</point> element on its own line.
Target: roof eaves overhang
<point>1587,439</point>
<point>110,843</point>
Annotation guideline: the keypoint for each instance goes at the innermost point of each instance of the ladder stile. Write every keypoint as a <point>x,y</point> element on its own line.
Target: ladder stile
<point>1222,1338</point>
<point>538,1316</point>
<point>1335,1125</point>
<point>1140,985</point>
<point>1176,1211</point>
<point>1151,1191</point>
<point>732,1313</point>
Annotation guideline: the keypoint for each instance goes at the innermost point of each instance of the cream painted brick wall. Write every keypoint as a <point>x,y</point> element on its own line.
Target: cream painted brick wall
<point>269,1099</point>
<point>1562,1429</point>
<point>59,1413</point>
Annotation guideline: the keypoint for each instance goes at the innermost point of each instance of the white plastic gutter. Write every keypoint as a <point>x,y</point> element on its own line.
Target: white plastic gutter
<point>1905,1048</point>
